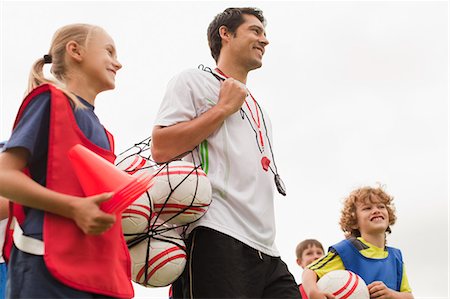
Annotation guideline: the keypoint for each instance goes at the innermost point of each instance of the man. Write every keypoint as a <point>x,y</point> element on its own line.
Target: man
<point>231,248</point>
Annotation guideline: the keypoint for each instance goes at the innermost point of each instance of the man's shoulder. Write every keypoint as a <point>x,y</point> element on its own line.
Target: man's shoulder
<point>195,75</point>
<point>190,73</point>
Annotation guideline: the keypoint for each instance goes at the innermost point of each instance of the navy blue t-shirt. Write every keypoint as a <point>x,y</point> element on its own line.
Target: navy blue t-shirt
<point>32,133</point>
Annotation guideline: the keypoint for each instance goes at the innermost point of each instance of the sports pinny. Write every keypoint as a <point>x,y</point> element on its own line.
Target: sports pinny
<point>388,270</point>
<point>95,264</point>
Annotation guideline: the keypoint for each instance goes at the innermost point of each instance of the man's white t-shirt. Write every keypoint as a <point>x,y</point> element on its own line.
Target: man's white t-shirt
<point>242,191</point>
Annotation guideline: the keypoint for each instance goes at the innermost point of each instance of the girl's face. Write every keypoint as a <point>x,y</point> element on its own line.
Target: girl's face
<point>100,63</point>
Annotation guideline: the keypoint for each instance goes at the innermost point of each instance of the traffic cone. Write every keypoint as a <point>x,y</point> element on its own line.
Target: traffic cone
<point>97,175</point>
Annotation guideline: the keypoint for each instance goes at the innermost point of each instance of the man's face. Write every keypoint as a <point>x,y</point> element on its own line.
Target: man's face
<point>248,42</point>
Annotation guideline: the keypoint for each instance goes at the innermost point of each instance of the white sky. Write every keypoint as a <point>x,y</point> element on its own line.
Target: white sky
<point>357,93</point>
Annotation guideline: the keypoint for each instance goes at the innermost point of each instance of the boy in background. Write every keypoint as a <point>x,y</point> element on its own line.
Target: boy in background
<point>307,251</point>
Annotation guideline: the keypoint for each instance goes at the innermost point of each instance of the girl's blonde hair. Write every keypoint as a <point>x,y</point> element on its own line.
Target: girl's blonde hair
<point>79,33</point>
<point>348,219</point>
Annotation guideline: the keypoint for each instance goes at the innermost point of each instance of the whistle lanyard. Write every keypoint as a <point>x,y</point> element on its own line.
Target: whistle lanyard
<point>257,120</point>
<point>265,161</point>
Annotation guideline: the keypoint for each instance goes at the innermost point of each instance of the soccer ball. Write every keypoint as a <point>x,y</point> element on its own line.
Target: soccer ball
<point>134,164</point>
<point>136,217</point>
<point>343,284</point>
<point>181,193</point>
<point>166,254</point>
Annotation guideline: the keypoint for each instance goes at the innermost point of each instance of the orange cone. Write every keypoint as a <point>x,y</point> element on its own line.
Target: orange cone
<point>96,175</point>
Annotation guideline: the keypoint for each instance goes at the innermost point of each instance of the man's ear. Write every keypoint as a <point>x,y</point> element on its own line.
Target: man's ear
<point>299,262</point>
<point>74,50</point>
<point>224,33</point>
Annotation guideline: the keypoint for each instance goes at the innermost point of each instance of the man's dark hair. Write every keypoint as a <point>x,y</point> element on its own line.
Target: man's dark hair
<point>231,18</point>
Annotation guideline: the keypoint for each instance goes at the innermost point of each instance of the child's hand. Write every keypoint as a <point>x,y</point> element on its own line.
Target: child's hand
<point>316,294</point>
<point>379,290</point>
<point>88,216</point>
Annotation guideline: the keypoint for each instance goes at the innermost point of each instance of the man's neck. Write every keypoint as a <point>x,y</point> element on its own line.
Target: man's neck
<point>233,71</point>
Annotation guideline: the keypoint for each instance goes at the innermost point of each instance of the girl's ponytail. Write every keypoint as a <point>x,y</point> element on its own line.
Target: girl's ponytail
<point>36,76</point>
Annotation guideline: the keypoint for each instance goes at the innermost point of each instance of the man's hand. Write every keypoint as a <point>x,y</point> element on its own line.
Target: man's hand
<point>231,96</point>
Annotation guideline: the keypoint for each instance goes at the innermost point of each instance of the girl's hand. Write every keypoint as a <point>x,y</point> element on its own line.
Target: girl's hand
<point>89,217</point>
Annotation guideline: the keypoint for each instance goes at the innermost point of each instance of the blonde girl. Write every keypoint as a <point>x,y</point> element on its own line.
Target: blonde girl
<point>64,245</point>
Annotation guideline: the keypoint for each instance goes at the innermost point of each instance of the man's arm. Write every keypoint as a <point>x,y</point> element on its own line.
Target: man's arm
<point>173,141</point>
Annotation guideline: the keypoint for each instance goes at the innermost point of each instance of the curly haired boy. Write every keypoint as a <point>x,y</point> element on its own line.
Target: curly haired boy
<point>366,218</point>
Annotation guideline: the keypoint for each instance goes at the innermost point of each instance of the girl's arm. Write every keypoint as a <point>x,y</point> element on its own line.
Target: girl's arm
<point>19,188</point>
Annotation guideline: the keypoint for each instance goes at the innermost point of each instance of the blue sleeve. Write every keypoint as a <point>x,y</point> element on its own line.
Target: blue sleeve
<point>31,131</point>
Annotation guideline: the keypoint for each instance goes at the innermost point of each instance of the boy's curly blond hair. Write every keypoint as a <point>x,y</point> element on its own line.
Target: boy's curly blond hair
<point>365,194</point>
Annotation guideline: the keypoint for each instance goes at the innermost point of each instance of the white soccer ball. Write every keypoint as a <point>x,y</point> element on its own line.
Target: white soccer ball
<point>166,259</point>
<point>344,284</point>
<point>136,217</point>
<point>134,164</point>
<point>181,193</point>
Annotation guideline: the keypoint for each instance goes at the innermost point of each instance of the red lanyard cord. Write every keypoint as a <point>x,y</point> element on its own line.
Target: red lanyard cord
<point>256,120</point>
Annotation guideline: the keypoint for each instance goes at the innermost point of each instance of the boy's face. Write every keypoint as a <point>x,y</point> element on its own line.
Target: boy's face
<point>372,217</point>
<point>309,255</point>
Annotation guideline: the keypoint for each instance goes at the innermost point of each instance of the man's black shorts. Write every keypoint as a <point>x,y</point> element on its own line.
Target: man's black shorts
<point>220,266</point>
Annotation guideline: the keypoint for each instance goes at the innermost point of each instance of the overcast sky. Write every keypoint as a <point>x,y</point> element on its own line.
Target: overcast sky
<point>357,93</point>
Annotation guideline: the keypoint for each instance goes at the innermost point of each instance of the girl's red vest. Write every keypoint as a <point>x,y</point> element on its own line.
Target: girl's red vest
<point>95,264</point>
